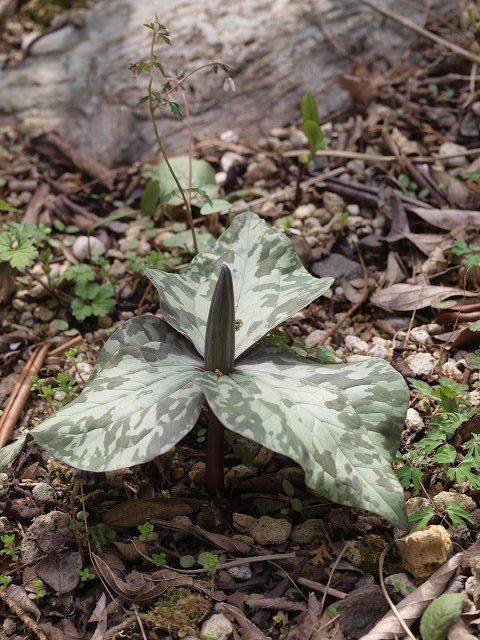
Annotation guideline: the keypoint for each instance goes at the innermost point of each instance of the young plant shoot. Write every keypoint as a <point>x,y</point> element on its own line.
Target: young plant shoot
<point>341,423</point>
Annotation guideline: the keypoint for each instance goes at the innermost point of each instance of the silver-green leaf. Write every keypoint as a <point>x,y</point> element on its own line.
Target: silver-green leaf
<point>270,284</point>
<point>341,423</point>
<point>143,397</point>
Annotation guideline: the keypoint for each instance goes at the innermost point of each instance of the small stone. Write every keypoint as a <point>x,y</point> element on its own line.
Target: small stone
<point>294,474</point>
<point>83,371</point>
<point>304,211</point>
<point>5,525</point>
<point>47,533</point>
<point>421,363</point>
<point>59,395</point>
<point>420,335</point>
<point>337,266</point>
<point>472,587</point>
<point>267,530</point>
<point>353,210</point>
<point>243,572</point>
<point>423,552</point>
<point>449,149</point>
<point>379,351</point>
<point>357,167</point>
<point>412,505</point>
<point>267,506</point>
<point>243,522</point>
<point>308,533</point>
<point>462,500</point>
<point>261,170</point>
<point>43,494</point>
<point>413,421</point>
<point>218,627</point>
<point>400,583</point>
<point>365,552</point>
<point>86,246</point>
<point>356,345</point>
<point>229,159</point>
<point>9,626</point>
<point>44,314</point>
<point>263,458</point>
<point>333,203</point>
<point>196,475</point>
<point>313,339</point>
<point>450,370</point>
<point>475,567</point>
<point>239,472</point>
<point>3,484</point>
<point>59,40</point>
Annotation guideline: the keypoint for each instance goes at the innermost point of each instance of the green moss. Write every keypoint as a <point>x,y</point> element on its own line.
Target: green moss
<point>178,610</point>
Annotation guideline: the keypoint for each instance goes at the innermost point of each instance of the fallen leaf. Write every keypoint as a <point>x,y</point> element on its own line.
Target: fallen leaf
<point>62,630</point>
<point>134,512</point>
<point>20,596</point>
<point>448,218</point>
<point>412,607</point>
<point>406,297</point>
<point>138,587</point>
<point>251,631</point>
<point>60,572</point>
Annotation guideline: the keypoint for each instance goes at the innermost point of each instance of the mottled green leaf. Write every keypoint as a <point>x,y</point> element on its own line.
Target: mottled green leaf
<point>440,615</point>
<point>216,207</point>
<point>203,177</point>
<point>270,284</point>
<point>143,397</point>
<point>11,451</point>
<point>341,423</point>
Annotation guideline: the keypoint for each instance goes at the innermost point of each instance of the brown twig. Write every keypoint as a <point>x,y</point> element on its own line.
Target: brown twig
<point>19,396</point>
<point>387,595</point>
<point>409,24</point>
<point>353,308</point>
<point>377,157</point>
<point>330,591</point>
<point>58,351</point>
<point>20,613</point>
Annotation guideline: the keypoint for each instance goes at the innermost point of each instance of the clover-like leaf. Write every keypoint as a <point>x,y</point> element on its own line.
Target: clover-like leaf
<point>341,423</point>
<point>270,284</point>
<point>143,397</point>
<point>203,178</point>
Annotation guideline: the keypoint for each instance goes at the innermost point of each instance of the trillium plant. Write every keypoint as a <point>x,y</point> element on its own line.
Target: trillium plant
<point>341,423</point>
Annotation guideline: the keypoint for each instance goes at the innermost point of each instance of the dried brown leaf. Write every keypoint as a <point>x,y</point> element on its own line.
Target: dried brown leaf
<point>412,607</point>
<point>134,512</point>
<point>20,596</point>
<point>448,218</point>
<point>406,297</point>
<point>60,572</point>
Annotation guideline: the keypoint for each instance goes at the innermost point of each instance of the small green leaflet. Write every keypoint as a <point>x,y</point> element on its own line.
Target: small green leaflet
<point>216,206</point>
<point>421,518</point>
<point>18,250</point>
<point>308,108</point>
<point>5,206</point>
<point>459,517</point>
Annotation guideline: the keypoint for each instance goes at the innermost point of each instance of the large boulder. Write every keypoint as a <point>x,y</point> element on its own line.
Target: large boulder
<point>76,79</point>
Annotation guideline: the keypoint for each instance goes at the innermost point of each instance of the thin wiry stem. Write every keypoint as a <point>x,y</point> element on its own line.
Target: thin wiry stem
<point>151,104</point>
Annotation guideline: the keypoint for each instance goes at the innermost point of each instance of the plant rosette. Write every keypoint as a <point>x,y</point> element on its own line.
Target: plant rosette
<point>341,423</point>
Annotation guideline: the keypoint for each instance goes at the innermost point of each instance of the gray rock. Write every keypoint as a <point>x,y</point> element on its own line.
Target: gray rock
<point>413,421</point>
<point>59,40</point>
<point>267,530</point>
<point>9,626</point>
<point>412,505</point>
<point>43,494</point>
<point>239,472</point>
<point>3,484</point>
<point>98,111</point>
<point>196,475</point>
<point>217,626</point>
<point>48,532</point>
<point>337,266</point>
<point>461,499</point>
<point>86,246</point>
<point>400,583</point>
<point>308,533</point>
<point>243,572</point>
<point>360,610</point>
<point>449,149</point>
